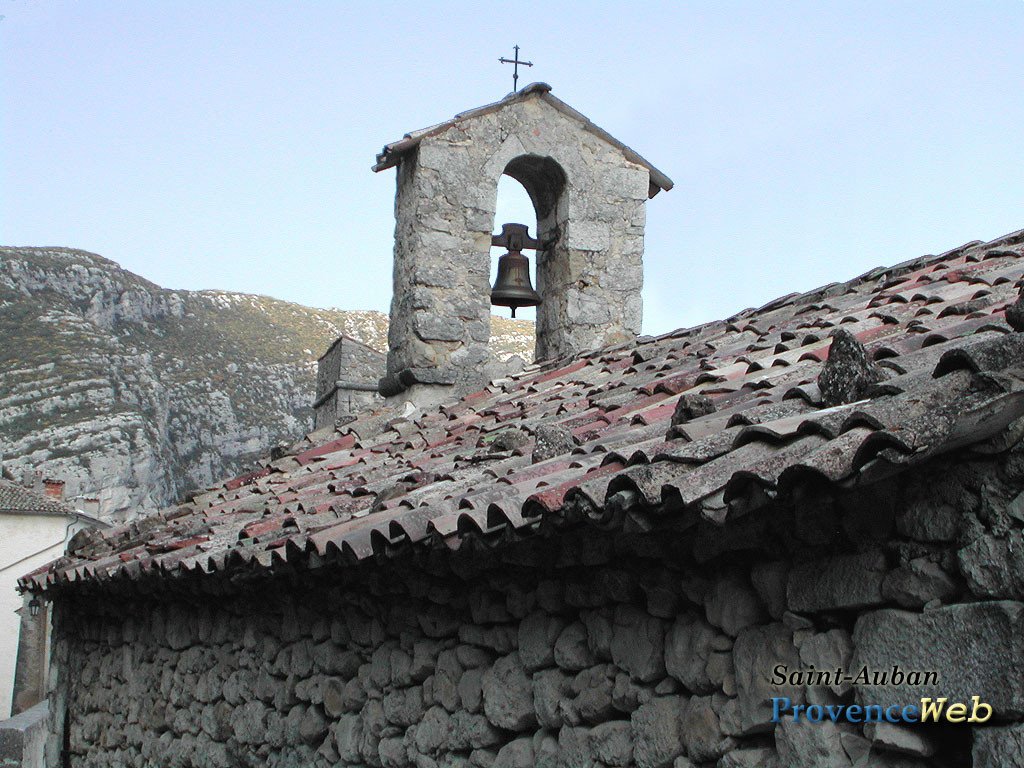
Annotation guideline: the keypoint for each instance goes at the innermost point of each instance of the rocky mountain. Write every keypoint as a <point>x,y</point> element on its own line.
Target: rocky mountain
<point>133,393</point>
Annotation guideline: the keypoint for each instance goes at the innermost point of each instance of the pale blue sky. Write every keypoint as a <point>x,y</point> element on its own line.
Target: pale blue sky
<point>228,144</point>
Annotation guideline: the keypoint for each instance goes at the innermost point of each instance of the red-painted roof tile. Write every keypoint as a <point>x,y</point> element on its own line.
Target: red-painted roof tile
<point>435,480</point>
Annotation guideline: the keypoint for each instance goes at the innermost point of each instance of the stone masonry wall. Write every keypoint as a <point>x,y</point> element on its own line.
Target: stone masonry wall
<point>591,204</point>
<point>346,362</point>
<point>584,649</point>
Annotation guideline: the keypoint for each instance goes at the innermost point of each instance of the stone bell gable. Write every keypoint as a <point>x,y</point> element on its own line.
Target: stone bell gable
<point>589,192</point>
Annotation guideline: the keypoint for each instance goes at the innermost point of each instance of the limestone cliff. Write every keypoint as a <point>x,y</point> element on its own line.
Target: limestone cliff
<point>134,393</point>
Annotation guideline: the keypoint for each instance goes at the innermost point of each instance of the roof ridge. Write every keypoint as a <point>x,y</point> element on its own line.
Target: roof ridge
<point>392,153</point>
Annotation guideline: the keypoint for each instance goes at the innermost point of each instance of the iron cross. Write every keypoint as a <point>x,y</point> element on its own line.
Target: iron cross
<point>515,70</point>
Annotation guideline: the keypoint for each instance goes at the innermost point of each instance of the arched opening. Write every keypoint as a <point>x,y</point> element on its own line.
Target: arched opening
<point>530,191</point>
<point>514,205</point>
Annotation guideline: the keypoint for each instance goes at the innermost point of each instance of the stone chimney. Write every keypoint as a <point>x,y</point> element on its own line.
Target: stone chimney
<point>346,380</point>
<point>53,489</point>
<point>589,192</point>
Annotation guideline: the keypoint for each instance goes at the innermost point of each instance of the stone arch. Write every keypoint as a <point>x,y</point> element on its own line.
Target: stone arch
<point>546,182</point>
<point>543,179</point>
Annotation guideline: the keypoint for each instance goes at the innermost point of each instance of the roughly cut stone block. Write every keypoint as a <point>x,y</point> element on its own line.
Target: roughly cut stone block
<point>627,694</point>
<point>994,567</point>
<point>392,753</point>
<point>688,645</point>
<point>849,370</point>
<point>769,579</point>
<point>469,731</point>
<point>446,680</point>
<point>471,657</point>
<point>656,729</point>
<point>499,639</point>
<point>898,739</point>
<point>998,746</point>
<point>179,635</point>
<point>1015,508</point>
<point>431,733</point>
<point>574,747</point>
<point>663,594</point>
<point>732,605</point>
<point>599,631</point>
<point>545,749</point>
<point>538,633</point>
<point>471,689</point>
<point>313,726</point>
<point>756,757</point>
<point>424,657</point>
<point>638,643</point>
<point>248,722</point>
<point>828,651</point>
<point>588,235</point>
<point>690,407</point>
<point>334,661</point>
<point>515,754</point>
<point>404,706</point>
<point>721,671</point>
<point>756,653</point>
<point>550,688</point>
<point>572,652</point>
<point>918,583</point>
<point>811,745</point>
<point>374,723</point>
<point>551,440</point>
<point>332,694</point>
<point>848,581</point>
<point>928,520</point>
<point>593,688</point>
<point>437,622</point>
<point>611,743</point>
<point>508,694</point>
<point>702,732</point>
<point>975,649</point>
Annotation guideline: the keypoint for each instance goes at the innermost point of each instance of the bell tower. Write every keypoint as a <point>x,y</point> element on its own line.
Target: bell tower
<point>589,192</point>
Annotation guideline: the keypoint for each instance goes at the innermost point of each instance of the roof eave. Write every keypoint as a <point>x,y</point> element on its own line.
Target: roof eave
<point>393,153</point>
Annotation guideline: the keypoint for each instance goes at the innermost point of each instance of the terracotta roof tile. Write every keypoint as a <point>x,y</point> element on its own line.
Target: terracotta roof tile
<point>378,485</point>
<point>18,499</point>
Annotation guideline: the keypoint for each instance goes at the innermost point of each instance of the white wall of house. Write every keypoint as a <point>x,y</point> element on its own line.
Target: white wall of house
<point>26,543</point>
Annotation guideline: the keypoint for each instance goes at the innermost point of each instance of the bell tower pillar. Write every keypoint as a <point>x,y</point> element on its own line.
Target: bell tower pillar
<point>589,192</point>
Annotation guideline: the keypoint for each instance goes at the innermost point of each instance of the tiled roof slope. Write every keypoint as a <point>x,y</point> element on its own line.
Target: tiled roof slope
<point>935,325</point>
<point>17,499</point>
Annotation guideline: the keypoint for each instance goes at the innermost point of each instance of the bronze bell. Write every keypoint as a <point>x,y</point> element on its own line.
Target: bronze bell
<point>512,287</point>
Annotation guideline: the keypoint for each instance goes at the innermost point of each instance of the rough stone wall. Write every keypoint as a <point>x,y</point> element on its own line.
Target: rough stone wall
<point>346,362</point>
<point>590,199</point>
<point>584,649</point>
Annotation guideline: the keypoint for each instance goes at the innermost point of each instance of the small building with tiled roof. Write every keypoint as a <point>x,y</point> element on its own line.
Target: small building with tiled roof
<point>663,551</point>
<point>35,526</point>
<point>17,499</point>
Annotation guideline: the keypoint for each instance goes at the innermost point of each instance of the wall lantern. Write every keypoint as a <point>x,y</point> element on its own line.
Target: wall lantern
<point>33,606</point>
